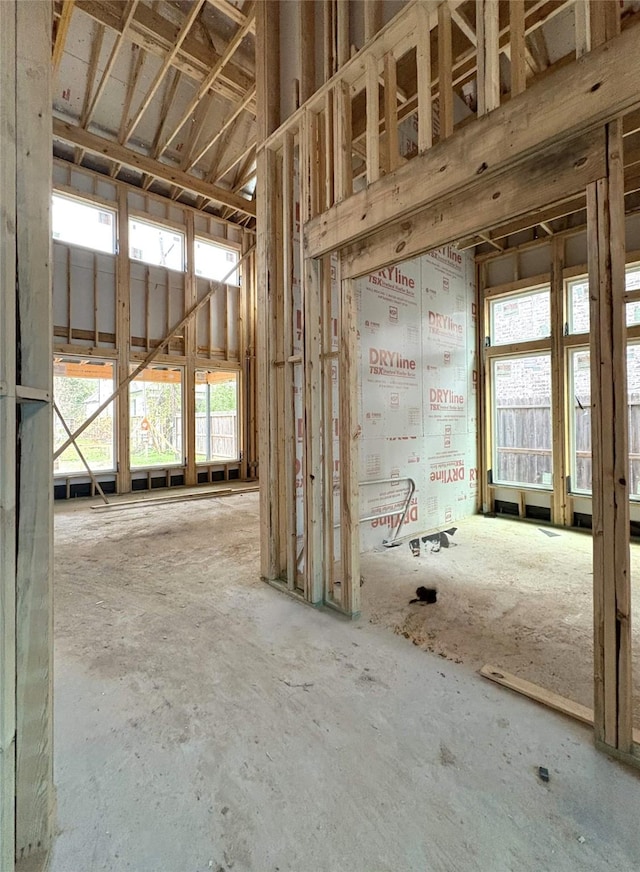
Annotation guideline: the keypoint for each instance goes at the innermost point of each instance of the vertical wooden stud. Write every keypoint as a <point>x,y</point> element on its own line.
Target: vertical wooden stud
<point>342,22</point>
<point>558,389</point>
<point>289,412</point>
<point>373,120</point>
<point>33,577</point>
<point>190,352</point>
<point>392,149</point>
<point>342,142</point>
<point>349,449</point>
<point>582,22</point>
<point>517,44</point>
<point>8,48</point>
<point>609,423</point>
<point>488,56</point>
<point>372,11</point>
<point>445,76</point>
<point>123,345</point>
<point>423,71</point>
<point>306,41</point>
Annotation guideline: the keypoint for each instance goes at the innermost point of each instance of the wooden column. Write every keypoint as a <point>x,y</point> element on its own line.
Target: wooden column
<point>7,434</point>
<point>372,11</point>
<point>268,119</point>
<point>349,449</point>
<point>488,56</point>
<point>306,40</point>
<point>26,655</point>
<point>190,342</point>
<point>445,75</point>
<point>265,342</point>
<point>123,345</point>
<point>559,381</point>
<point>517,46</point>
<point>610,456</point>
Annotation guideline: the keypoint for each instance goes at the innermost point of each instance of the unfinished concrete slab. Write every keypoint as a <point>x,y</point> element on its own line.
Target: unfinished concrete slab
<point>516,595</point>
<point>205,721</point>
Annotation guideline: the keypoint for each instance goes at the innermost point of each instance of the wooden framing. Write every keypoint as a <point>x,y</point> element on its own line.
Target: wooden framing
<point>467,181</point>
<point>26,725</point>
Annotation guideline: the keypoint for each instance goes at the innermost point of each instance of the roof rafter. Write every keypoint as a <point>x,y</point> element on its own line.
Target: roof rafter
<point>164,67</point>
<point>157,35</point>
<point>61,33</point>
<point>211,79</point>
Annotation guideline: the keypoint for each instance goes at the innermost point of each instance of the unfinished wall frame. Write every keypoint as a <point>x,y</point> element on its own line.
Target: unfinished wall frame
<point>134,305</point>
<point>376,208</point>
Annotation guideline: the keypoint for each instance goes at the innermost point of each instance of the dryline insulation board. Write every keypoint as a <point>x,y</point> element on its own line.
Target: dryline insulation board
<point>417,326</point>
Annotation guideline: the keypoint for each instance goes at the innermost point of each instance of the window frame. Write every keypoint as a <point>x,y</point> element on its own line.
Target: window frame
<point>218,243</point>
<point>493,416</point>
<point>494,299</point>
<point>161,224</point>
<point>82,473</point>
<point>95,203</point>
<point>238,456</point>
<point>182,463</point>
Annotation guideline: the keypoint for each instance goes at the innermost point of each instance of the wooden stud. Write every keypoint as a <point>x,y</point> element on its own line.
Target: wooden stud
<point>190,350</point>
<point>558,386</point>
<point>34,533</point>
<point>342,142</point>
<point>342,24</point>
<point>609,423</point>
<point>267,68</point>
<point>488,56</point>
<point>349,449</point>
<point>306,13</point>
<point>329,150</point>
<point>445,77</point>
<point>373,121</point>
<point>604,21</point>
<point>392,150</point>
<point>8,50</point>
<point>582,24</point>
<point>423,72</point>
<point>372,11</point>
<point>123,345</point>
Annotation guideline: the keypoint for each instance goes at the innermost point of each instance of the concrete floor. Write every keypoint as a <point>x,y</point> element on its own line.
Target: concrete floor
<point>205,721</point>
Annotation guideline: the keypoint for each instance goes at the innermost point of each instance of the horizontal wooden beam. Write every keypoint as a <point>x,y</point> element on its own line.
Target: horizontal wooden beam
<point>555,174</point>
<point>66,132</point>
<point>594,89</point>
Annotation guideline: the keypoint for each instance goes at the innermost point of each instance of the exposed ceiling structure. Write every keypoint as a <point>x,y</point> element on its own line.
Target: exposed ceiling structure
<point>161,95</point>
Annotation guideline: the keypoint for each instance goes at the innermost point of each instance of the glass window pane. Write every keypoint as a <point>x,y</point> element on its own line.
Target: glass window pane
<point>156,244</point>
<point>213,261</point>
<point>581,422</point>
<point>80,223</point>
<point>216,416</point>
<point>522,422</point>
<point>521,318</point>
<point>155,409</point>
<point>79,388</point>
<point>579,302</point>
<point>579,306</point>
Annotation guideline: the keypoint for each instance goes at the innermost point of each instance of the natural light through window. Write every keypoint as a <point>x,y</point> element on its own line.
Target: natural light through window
<point>521,317</point>
<point>214,261</point>
<point>216,416</point>
<point>155,410</point>
<point>79,388</point>
<point>156,244</point>
<point>80,223</point>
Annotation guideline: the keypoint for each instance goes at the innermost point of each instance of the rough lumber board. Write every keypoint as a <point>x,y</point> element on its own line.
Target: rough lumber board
<point>66,132</point>
<point>349,449</point>
<point>157,35</point>
<point>559,382</point>
<point>61,33</point>
<point>585,94</point>
<point>556,174</point>
<point>7,435</point>
<point>34,589</point>
<point>546,697</point>
<point>445,69</point>
<point>609,428</point>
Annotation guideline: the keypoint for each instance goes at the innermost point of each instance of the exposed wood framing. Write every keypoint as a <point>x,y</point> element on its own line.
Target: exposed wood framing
<point>26,655</point>
<point>124,156</point>
<point>579,96</point>
<point>61,33</point>
<point>445,74</point>
<point>610,457</point>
